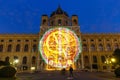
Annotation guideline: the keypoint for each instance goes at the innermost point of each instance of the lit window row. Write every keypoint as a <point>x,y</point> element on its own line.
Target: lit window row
<point>18,48</point>
<point>94,59</point>
<point>100,47</point>
<point>23,61</point>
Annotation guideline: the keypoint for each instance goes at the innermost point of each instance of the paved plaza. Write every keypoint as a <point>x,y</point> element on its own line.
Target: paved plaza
<point>56,75</point>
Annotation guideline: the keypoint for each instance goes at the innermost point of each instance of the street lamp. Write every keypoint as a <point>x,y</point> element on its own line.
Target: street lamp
<point>109,61</point>
<point>32,68</point>
<point>113,60</point>
<point>16,61</point>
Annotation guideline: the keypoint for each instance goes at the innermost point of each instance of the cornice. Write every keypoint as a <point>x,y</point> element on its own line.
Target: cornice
<point>19,35</point>
<point>100,33</point>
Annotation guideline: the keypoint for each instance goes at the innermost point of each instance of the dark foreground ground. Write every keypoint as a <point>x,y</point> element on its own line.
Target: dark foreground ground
<point>56,75</point>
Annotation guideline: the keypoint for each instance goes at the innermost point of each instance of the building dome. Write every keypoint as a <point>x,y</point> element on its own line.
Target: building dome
<point>58,11</point>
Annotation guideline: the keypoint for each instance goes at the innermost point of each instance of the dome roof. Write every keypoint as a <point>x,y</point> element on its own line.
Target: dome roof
<point>58,11</point>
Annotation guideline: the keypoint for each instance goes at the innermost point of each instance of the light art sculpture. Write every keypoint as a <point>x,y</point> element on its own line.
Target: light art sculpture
<point>59,47</point>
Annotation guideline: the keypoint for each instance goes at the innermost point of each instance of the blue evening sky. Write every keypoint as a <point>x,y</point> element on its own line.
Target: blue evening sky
<point>95,16</point>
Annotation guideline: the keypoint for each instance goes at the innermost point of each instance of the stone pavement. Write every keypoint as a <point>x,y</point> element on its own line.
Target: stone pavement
<point>56,75</point>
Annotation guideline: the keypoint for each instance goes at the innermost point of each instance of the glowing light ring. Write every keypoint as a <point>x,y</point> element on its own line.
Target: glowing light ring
<point>60,47</point>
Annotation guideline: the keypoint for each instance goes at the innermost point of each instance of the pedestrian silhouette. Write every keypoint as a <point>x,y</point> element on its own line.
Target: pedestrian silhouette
<point>71,71</point>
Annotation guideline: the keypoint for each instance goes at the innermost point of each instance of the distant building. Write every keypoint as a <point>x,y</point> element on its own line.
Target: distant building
<point>96,48</point>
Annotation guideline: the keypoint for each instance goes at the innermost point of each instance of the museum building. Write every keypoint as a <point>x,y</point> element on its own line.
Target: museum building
<point>59,44</point>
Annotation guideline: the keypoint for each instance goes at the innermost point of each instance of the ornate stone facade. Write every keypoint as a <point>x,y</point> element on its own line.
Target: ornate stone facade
<point>19,46</point>
<point>96,48</point>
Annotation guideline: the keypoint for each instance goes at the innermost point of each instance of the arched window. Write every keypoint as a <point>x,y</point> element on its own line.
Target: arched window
<point>44,21</point>
<point>9,48</point>
<point>116,46</point>
<point>108,47</point>
<point>92,47</point>
<point>59,21</point>
<point>100,47</point>
<point>7,59</point>
<point>33,60</point>
<point>1,48</point>
<point>86,59</point>
<point>102,59</point>
<point>85,47</point>
<point>18,48</point>
<point>34,49</point>
<point>26,48</point>
<point>94,59</point>
<point>92,40</point>
<point>66,23</point>
<point>52,23</point>
<point>84,40</point>
<point>75,21</point>
<point>115,40</point>
<point>24,60</point>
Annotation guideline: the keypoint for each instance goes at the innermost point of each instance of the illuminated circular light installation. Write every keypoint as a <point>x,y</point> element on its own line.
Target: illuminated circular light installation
<point>60,47</point>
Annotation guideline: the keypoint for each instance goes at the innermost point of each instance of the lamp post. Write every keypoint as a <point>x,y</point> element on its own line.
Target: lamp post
<point>109,61</point>
<point>16,61</point>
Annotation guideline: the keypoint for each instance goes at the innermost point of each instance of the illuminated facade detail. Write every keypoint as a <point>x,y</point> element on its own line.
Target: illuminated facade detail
<point>60,47</point>
<point>96,48</point>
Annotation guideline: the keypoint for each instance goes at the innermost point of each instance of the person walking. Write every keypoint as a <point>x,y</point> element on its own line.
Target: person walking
<point>71,71</point>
